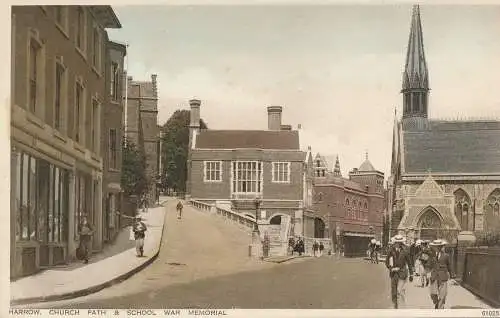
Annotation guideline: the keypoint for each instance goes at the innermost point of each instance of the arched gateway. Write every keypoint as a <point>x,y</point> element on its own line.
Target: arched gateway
<point>429,224</point>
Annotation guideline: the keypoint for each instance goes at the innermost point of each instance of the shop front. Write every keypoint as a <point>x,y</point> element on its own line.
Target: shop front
<point>40,200</point>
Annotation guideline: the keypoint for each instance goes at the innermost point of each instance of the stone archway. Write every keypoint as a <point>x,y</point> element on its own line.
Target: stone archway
<point>319,228</point>
<point>429,224</point>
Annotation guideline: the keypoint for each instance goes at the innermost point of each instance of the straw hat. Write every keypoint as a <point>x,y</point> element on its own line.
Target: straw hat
<point>437,243</point>
<point>418,242</point>
<point>373,241</point>
<point>398,239</point>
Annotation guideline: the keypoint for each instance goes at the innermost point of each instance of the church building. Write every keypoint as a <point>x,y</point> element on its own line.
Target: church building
<point>445,175</point>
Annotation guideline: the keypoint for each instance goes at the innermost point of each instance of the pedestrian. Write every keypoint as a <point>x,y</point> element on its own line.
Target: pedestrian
<point>425,258</point>
<point>85,230</point>
<point>400,267</point>
<point>315,248</point>
<point>441,272</point>
<point>378,249</point>
<point>321,248</point>
<point>179,209</point>
<point>371,249</point>
<point>139,229</point>
<point>266,245</point>
<point>291,245</point>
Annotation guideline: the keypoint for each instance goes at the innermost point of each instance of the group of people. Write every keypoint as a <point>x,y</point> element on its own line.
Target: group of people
<point>433,263</point>
<point>296,246</point>
<point>318,248</point>
<point>374,249</point>
<point>86,231</point>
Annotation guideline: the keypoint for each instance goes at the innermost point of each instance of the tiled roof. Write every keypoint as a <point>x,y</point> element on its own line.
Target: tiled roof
<point>260,139</point>
<point>453,147</point>
<point>366,166</point>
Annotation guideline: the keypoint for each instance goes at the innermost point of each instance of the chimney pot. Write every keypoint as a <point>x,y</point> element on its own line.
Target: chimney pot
<point>195,113</point>
<point>274,117</point>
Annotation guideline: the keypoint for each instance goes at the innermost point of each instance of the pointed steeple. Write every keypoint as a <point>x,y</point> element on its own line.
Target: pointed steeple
<point>336,170</point>
<point>415,86</point>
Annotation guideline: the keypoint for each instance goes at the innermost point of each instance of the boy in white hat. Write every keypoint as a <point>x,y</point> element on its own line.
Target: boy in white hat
<point>441,272</point>
<point>399,263</point>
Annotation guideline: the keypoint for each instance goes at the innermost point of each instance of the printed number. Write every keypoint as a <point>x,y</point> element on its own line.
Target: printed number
<point>491,313</point>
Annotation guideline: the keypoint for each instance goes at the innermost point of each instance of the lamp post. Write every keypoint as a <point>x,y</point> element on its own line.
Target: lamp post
<point>256,243</point>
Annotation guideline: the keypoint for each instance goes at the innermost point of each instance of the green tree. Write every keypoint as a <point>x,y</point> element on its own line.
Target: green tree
<point>175,144</point>
<point>133,177</point>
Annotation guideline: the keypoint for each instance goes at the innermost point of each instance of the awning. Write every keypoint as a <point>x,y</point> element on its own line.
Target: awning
<point>358,234</point>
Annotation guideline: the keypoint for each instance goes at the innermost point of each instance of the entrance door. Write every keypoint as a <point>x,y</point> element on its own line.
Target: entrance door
<point>429,225</point>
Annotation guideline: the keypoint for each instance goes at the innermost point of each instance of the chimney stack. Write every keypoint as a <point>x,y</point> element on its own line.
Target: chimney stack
<point>274,117</point>
<point>154,84</point>
<point>194,104</point>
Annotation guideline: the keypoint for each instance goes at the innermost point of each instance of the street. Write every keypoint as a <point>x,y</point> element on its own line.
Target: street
<point>203,263</point>
<point>306,284</point>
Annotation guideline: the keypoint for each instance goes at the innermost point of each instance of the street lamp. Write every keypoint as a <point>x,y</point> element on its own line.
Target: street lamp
<point>257,201</point>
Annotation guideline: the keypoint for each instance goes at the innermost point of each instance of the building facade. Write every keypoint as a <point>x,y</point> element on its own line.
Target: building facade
<point>142,127</point>
<point>233,168</point>
<point>58,89</point>
<point>350,211</point>
<point>445,175</point>
<point>112,121</point>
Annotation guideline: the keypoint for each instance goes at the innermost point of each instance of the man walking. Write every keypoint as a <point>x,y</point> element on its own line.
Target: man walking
<point>441,272</point>
<point>179,209</point>
<point>399,263</point>
<point>139,229</point>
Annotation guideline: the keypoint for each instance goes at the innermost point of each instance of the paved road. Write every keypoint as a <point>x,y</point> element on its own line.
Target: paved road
<point>203,263</point>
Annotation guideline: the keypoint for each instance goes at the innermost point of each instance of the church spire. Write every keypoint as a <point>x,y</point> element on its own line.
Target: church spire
<point>336,170</point>
<point>415,76</point>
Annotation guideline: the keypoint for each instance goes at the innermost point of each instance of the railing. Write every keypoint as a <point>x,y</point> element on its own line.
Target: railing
<point>241,220</point>
<point>482,273</point>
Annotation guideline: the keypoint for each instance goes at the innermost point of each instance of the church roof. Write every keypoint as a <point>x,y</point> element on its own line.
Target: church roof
<point>366,166</point>
<point>453,147</point>
<point>260,139</point>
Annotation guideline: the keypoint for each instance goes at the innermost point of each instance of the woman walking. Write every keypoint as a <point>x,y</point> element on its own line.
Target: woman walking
<point>85,231</point>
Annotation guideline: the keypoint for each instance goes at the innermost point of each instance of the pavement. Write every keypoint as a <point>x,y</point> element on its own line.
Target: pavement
<point>283,259</point>
<point>198,247</point>
<point>116,263</point>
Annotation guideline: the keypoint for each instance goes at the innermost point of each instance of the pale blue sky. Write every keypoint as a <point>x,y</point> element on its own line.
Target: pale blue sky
<point>335,69</point>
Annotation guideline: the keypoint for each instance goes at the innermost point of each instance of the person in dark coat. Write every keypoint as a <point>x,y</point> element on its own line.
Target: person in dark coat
<point>179,209</point>
<point>400,266</point>
<point>441,272</point>
<point>315,248</point>
<point>291,245</point>
<point>85,230</point>
<point>321,248</point>
<point>139,229</point>
<point>425,258</point>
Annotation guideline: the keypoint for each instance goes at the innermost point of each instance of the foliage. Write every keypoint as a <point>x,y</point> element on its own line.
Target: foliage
<point>133,177</point>
<point>175,144</point>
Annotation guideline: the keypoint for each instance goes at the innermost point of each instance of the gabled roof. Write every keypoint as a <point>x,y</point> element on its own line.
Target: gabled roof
<point>257,139</point>
<point>453,147</point>
<point>366,166</point>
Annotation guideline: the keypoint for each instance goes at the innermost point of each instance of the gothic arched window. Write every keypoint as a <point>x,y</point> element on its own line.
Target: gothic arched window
<point>492,211</point>
<point>463,210</point>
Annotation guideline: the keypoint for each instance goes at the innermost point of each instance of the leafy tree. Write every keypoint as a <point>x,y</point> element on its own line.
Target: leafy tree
<point>175,144</point>
<point>133,177</point>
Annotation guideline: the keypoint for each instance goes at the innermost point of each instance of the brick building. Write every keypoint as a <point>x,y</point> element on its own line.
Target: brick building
<point>58,65</point>
<point>231,168</point>
<point>112,121</point>
<point>445,175</point>
<point>142,126</point>
<point>348,210</point>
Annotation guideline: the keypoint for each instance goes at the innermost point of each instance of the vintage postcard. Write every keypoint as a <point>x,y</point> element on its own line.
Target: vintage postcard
<point>211,159</point>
